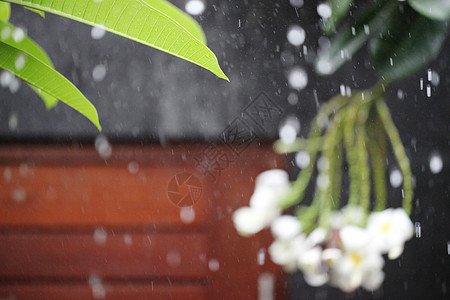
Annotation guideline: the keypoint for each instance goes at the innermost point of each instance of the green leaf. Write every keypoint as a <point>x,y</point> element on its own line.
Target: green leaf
<point>45,78</point>
<point>433,9</point>
<point>408,42</point>
<point>353,36</point>
<point>39,12</point>
<point>5,11</point>
<point>28,46</point>
<point>150,22</point>
<point>339,9</point>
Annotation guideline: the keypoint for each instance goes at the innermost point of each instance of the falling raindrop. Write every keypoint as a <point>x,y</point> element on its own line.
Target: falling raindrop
<point>187,214</point>
<point>14,85</point>
<point>97,32</point>
<point>292,99</point>
<point>19,195</point>
<point>296,3</point>
<point>173,259</point>
<point>428,90</point>
<point>195,7</point>
<point>418,229</point>
<point>323,181</point>
<point>127,239</point>
<point>323,164</point>
<point>324,10</point>
<point>103,147</point>
<point>296,35</point>
<point>6,33</point>
<point>434,78</point>
<point>342,89</point>
<point>436,163</point>
<point>100,236</point>
<point>400,94</point>
<point>214,265</point>
<point>13,121</point>
<point>6,78</point>
<point>302,159</point>
<point>18,34</point>
<point>396,178</point>
<point>99,72</point>
<point>19,62</point>
<point>289,129</point>
<point>133,167</point>
<point>297,78</point>
<point>261,256</point>
<point>98,290</point>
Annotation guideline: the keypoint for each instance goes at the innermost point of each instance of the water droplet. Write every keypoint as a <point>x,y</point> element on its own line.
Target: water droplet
<point>418,229</point>
<point>342,89</point>
<point>98,290</point>
<point>297,78</point>
<point>323,164</point>
<point>6,78</point>
<point>18,34</point>
<point>13,121</point>
<point>421,84</point>
<point>14,85</point>
<point>173,259</point>
<point>434,78</point>
<point>127,239</point>
<point>302,159</point>
<point>100,236</point>
<point>400,94</point>
<point>296,35</point>
<point>296,3</point>
<point>292,99</point>
<point>133,167</point>
<point>19,63</point>
<point>97,32</point>
<point>323,181</point>
<point>323,66</point>
<point>428,90</point>
<point>19,195</point>
<point>289,129</point>
<point>324,10</point>
<point>366,29</point>
<point>99,72</point>
<point>187,214</point>
<point>436,163</point>
<point>195,7</point>
<point>6,33</point>
<point>103,147</point>
<point>214,265</point>
<point>7,174</point>
<point>396,178</point>
<point>261,256</point>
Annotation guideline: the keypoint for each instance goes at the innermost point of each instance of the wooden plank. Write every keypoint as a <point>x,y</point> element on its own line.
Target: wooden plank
<point>93,195</point>
<point>103,254</point>
<point>110,291</point>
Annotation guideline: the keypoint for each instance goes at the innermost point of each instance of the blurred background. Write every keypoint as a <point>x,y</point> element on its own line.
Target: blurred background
<point>143,95</point>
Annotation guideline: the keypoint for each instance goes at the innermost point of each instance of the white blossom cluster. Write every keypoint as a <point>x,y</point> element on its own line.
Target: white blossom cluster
<point>347,255</point>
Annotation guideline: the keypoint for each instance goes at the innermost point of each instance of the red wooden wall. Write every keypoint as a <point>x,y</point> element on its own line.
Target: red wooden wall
<point>76,226</point>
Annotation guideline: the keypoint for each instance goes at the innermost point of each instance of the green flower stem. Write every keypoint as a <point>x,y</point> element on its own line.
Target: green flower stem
<point>377,150</point>
<point>327,203</point>
<point>281,147</point>
<point>352,157</point>
<point>302,181</point>
<point>399,153</point>
<point>363,163</point>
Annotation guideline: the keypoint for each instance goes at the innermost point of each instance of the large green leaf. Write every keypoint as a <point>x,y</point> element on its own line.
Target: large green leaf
<point>353,36</point>
<point>45,78</point>
<point>28,46</point>
<point>408,42</point>
<point>5,10</point>
<point>339,9</point>
<point>433,9</point>
<point>151,22</point>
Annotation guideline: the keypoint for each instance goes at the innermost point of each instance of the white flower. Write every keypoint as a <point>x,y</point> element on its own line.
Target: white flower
<point>270,187</point>
<point>314,271</point>
<point>389,230</point>
<point>359,265</point>
<point>286,227</point>
<point>316,237</point>
<point>348,215</point>
<point>286,252</point>
<point>250,220</point>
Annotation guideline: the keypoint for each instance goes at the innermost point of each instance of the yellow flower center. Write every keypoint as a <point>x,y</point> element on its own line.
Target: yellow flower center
<point>386,226</point>
<point>356,258</point>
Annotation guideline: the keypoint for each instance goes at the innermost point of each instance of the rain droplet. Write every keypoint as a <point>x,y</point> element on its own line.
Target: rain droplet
<point>214,265</point>
<point>103,147</point>
<point>261,256</point>
<point>366,29</point>
<point>173,259</point>
<point>396,178</point>
<point>289,129</point>
<point>98,290</point>
<point>296,3</point>
<point>100,236</point>
<point>323,181</point>
<point>14,85</point>
<point>292,99</point>
<point>323,66</point>
<point>302,159</point>
<point>97,32</point>
<point>296,35</point>
<point>19,63</point>
<point>133,167</point>
<point>400,94</point>
<point>323,164</point>
<point>127,239</point>
<point>18,34</point>
<point>324,10</point>
<point>434,78</point>
<point>418,229</point>
<point>428,90</point>
<point>7,174</point>
<point>421,84</point>
<point>187,215</point>
<point>6,33</point>
<point>6,78</point>
<point>19,195</point>
<point>13,121</point>
<point>297,78</point>
<point>99,72</point>
<point>436,163</point>
<point>342,89</point>
<point>195,7</point>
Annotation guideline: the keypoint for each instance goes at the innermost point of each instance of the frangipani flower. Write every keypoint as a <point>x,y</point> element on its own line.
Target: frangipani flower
<point>286,227</point>
<point>315,272</point>
<point>389,230</point>
<point>286,252</point>
<point>270,187</point>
